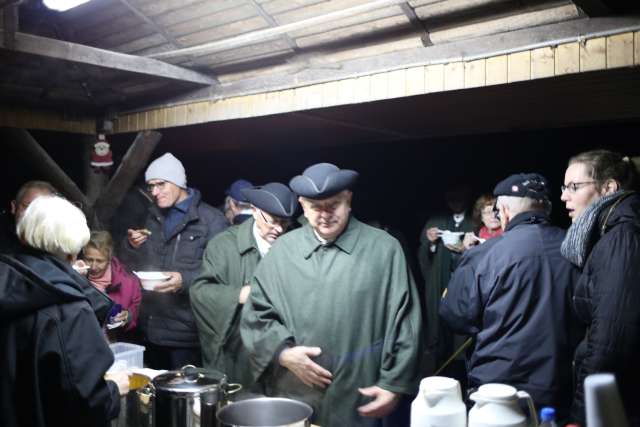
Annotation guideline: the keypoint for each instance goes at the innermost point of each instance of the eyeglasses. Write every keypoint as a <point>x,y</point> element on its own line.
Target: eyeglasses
<point>284,223</point>
<point>159,185</point>
<point>575,186</point>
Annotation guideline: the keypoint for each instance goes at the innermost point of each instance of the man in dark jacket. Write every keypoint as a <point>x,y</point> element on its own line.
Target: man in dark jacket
<point>172,240</point>
<point>514,297</point>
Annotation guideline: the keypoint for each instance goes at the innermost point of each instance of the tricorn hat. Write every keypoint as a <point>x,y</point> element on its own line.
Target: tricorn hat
<point>322,181</point>
<point>531,185</point>
<point>274,198</point>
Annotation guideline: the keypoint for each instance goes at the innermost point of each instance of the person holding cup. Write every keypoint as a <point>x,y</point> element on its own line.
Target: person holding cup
<point>110,276</point>
<point>486,222</point>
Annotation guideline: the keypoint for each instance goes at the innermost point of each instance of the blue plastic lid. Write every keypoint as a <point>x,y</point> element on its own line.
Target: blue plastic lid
<point>547,414</point>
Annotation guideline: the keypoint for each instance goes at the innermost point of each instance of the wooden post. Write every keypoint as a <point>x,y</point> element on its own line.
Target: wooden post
<point>132,163</point>
<point>22,142</point>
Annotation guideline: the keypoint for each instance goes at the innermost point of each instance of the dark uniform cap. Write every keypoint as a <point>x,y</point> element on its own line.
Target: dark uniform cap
<point>322,181</point>
<point>274,198</point>
<point>531,185</point>
<point>235,190</point>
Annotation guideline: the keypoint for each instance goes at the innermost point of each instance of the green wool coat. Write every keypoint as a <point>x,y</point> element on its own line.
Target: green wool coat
<point>229,262</point>
<point>355,299</point>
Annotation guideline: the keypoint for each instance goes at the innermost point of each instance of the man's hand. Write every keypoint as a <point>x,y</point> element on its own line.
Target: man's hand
<point>298,361</point>
<point>432,234</point>
<point>383,404</point>
<point>244,294</point>
<point>121,379</point>
<point>137,237</point>
<point>173,284</point>
<point>470,240</point>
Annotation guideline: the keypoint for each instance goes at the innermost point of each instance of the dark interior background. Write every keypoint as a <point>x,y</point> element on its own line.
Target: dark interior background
<point>401,182</point>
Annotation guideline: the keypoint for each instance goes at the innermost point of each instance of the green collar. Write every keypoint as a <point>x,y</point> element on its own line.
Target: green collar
<point>246,241</point>
<point>345,241</point>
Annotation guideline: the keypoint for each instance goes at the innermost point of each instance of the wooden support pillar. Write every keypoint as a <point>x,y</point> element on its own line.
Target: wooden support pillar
<point>130,167</point>
<point>31,152</point>
<point>103,196</point>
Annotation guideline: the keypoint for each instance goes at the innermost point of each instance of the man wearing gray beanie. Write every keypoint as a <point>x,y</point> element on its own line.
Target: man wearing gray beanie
<point>172,240</point>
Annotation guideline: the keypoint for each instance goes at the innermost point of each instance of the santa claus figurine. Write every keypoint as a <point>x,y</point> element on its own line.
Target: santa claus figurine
<point>101,157</point>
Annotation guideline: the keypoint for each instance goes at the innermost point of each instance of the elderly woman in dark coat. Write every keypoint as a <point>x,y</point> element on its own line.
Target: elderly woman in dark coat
<point>53,355</point>
<point>604,240</point>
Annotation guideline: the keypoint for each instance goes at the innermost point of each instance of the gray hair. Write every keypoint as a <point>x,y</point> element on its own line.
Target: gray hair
<point>518,205</point>
<point>54,225</point>
<point>43,186</point>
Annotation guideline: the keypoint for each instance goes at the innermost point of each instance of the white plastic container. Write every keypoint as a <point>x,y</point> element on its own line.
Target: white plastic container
<point>497,405</point>
<point>438,404</point>
<point>127,356</point>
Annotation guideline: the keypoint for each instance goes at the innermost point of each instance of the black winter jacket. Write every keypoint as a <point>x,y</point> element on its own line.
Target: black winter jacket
<point>166,318</point>
<point>53,353</point>
<point>515,298</point>
<point>608,301</point>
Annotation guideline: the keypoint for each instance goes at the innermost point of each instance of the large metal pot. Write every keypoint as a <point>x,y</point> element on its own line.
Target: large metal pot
<point>266,412</point>
<point>188,397</point>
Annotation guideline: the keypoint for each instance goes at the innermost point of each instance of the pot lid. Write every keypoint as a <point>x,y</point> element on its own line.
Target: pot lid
<point>190,380</point>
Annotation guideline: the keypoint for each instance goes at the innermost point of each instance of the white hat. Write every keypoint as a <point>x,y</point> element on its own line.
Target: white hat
<point>168,168</point>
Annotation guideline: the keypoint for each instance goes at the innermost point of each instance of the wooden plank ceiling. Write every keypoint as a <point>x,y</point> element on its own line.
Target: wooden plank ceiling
<point>65,77</point>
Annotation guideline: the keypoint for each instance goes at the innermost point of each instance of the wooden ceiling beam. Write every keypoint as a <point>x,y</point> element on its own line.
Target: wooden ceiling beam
<point>416,23</point>
<point>73,52</point>
<point>592,8</point>
<point>275,32</point>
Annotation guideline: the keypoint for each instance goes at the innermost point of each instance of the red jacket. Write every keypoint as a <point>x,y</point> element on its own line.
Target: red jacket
<point>125,290</point>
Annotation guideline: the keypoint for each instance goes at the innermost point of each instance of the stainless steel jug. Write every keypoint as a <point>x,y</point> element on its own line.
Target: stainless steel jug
<point>188,397</point>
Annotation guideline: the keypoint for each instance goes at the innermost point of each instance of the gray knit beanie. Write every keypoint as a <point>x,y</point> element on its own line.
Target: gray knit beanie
<point>167,168</point>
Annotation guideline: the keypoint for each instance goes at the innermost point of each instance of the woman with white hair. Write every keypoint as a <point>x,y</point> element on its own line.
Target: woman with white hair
<point>53,354</point>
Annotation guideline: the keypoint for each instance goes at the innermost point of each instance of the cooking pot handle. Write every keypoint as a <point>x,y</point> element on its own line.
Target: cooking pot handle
<point>233,388</point>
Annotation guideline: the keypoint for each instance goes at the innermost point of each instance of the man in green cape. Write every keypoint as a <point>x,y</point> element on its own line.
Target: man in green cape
<point>230,259</point>
<point>333,318</point>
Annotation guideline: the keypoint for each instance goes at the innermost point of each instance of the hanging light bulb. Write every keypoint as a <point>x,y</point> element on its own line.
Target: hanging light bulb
<point>63,5</point>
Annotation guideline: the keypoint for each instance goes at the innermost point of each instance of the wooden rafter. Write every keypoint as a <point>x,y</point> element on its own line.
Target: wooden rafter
<point>416,23</point>
<point>52,48</point>
<point>275,32</point>
<point>592,8</point>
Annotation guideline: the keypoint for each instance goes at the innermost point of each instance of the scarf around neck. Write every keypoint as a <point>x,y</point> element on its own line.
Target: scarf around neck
<point>583,233</point>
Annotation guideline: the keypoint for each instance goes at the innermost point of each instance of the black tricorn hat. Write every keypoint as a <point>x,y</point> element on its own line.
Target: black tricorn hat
<point>322,181</point>
<point>274,198</point>
<point>531,185</point>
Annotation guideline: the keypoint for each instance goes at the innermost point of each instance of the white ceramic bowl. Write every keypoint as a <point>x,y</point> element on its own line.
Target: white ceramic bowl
<point>151,279</point>
<point>451,237</point>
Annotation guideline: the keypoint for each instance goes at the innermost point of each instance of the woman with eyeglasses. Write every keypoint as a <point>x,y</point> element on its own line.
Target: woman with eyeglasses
<point>604,241</point>
<point>110,276</point>
<point>486,222</point>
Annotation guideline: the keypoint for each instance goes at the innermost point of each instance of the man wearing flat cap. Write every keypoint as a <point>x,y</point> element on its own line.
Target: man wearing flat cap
<point>172,240</point>
<point>515,299</point>
<point>333,318</point>
<point>236,207</point>
<point>222,288</point>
